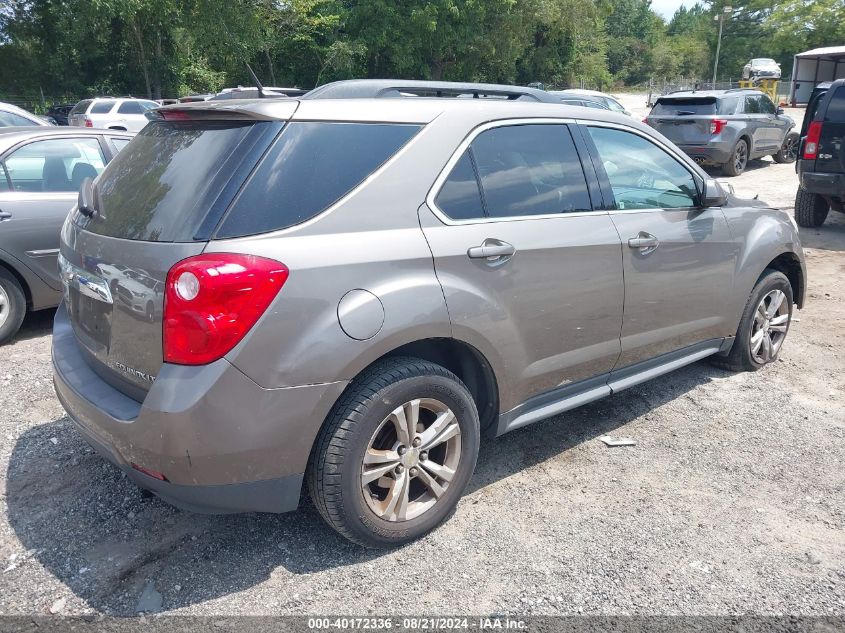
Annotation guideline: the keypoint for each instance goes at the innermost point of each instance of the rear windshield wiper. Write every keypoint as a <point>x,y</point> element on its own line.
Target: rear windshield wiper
<point>684,112</point>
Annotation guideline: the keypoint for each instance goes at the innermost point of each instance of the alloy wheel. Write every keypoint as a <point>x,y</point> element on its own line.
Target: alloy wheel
<point>4,306</point>
<point>411,459</point>
<point>768,330</point>
<point>790,149</point>
<point>740,157</point>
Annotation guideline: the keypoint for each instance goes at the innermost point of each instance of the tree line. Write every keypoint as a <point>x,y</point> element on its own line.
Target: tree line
<point>169,48</point>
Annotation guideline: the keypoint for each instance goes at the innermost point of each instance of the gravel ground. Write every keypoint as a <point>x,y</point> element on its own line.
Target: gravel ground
<point>732,501</point>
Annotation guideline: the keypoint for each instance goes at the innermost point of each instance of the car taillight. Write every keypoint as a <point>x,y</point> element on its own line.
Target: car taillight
<point>211,301</point>
<point>88,122</point>
<point>811,142</point>
<point>717,125</point>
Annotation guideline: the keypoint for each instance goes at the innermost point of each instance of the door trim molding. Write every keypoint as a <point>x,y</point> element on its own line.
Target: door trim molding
<point>582,392</point>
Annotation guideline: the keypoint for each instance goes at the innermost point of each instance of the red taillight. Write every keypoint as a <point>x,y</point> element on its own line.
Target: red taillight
<point>811,142</point>
<point>89,122</point>
<point>211,301</point>
<point>717,125</point>
<point>174,115</point>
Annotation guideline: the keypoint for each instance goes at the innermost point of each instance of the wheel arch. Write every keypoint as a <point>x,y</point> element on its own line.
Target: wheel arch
<point>13,271</point>
<point>789,264</point>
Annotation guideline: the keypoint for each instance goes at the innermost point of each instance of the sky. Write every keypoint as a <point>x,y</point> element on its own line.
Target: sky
<point>666,8</point>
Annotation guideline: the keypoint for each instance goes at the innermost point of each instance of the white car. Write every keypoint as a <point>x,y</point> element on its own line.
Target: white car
<point>611,102</point>
<point>13,116</point>
<point>761,68</point>
<point>113,114</point>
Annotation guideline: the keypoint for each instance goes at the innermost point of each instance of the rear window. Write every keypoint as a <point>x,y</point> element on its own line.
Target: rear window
<point>684,107</point>
<point>836,106</point>
<point>310,167</point>
<point>166,185</point>
<point>102,107</point>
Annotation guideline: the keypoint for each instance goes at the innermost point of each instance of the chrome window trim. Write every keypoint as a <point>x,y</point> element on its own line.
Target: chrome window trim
<point>434,191</point>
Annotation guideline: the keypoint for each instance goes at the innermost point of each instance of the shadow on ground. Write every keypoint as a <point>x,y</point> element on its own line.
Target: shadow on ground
<point>89,526</point>
<point>35,324</point>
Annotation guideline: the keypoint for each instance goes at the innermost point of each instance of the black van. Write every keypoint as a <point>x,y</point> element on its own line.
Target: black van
<point>821,156</point>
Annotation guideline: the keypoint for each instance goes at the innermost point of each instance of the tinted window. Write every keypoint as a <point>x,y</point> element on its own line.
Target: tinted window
<point>460,197</point>
<point>163,185</point>
<point>836,106</point>
<point>530,170</point>
<point>766,105</point>
<point>614,105</point>
<point>81,107</point>
<point>729,105</point>
<point>58,165</point>
<point>642,175</point>
<point>102,107</point>
<point>4,183</point>
<point>119,143</point>
<point>130,107</point>
<point>752,105</point>
<point>684,107</point>
<point>311,166</point>
<point>9,119</point>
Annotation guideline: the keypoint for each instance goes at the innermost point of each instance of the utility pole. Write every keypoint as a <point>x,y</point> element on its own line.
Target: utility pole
<point>721,18</point>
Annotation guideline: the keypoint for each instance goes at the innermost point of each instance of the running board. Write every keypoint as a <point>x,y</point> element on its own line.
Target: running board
<point>583,392</point>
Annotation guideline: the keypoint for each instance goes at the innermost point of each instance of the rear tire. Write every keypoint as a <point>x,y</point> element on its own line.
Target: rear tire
<point>810,209</point>
<point>367,422</point>
<point>739,159</point>
<point>788,152</point>
<point>12,305</point>
<point>754,326</point>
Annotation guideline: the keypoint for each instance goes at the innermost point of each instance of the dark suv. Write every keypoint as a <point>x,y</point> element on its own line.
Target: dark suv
<point>821,168</point>
<point>725,127</point>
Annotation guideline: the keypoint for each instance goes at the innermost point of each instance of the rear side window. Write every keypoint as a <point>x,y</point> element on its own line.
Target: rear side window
<point>166,183</point>
<point>460,197</point>
<point>102,107</point>
<point>130,107</point>
<point>81,107</point>
<point>311,166</point>
<point>836,106</point>
<point>530,170</point>
<point>684,107</point>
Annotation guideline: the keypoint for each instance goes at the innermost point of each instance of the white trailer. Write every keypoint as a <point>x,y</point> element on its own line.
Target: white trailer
<point>813,67</point>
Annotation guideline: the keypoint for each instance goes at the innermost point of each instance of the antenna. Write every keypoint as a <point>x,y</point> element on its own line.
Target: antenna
<point>258,85</point>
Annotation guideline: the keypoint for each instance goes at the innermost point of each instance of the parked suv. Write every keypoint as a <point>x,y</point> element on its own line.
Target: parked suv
<point>350,292</point>
<point>821,168</point>
<point>112,114</point>
<point>725,127</point>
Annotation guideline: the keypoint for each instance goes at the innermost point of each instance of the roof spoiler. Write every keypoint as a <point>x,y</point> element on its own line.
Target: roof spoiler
<point>399,88</point>
<point>246,110</point>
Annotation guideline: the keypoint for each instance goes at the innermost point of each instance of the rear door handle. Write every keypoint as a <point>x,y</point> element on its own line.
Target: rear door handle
<point>5,215</point>
<point>492,249</point>
<point>646,242</point>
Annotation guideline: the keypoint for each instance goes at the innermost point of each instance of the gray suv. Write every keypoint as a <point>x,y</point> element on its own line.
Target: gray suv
<point>350,293</point>
<point>725,127</point>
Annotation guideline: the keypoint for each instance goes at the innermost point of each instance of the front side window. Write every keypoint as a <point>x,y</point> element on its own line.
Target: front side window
<point>55,165</point>
<point>642,175</point>
<point>766,105</point>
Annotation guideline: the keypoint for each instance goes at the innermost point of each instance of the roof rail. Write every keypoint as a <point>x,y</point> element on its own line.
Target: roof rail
<point>398,88</point>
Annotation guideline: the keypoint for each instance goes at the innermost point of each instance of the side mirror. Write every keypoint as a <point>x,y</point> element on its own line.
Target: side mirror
<point>779,111</point>
<point>86,198</point>
<point>713,194</point>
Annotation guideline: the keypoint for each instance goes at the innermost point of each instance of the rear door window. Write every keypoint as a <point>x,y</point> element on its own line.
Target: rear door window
<point>753,105</point>
<point>530,170</point>
<point>165,186</point>
<point>55,165</point>
<point>460,196</point>
<point>684,107</point>
<point>311,166</point>
<point>729,105</point>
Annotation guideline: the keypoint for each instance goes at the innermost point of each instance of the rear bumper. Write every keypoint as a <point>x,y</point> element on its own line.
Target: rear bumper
<point>711,153</point>
<point>824,184</point>
<point>223,443</point>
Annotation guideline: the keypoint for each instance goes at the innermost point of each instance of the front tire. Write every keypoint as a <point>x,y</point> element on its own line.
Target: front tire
<point>810,209</point>
<point>739,159</point>
<point>12,305</point>
<point>395,454</point>
<point>763,327</point>
<point>788,152</point>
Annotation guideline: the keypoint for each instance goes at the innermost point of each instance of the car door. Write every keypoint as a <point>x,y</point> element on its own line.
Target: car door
<point>776,126</point>
<point>531,273</point>
<point>678,258</point>
<point>758,125</point>
<point>42,184</point>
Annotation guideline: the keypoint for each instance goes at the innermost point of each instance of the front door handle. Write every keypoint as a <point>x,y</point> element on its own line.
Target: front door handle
<point>646,242</point>
<point>492,250</point>
<point>5,215</point>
